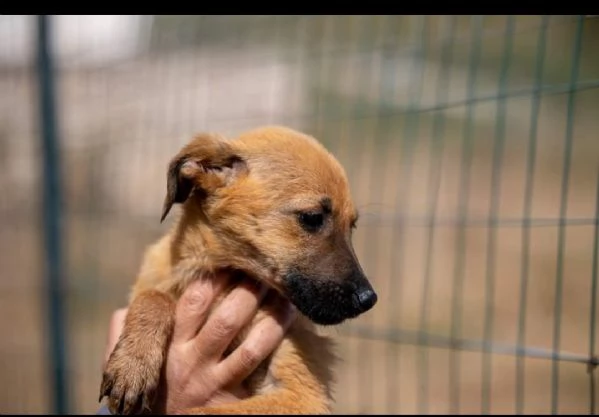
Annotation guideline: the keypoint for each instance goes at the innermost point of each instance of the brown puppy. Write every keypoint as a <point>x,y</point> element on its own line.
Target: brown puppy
<point>272,205</point>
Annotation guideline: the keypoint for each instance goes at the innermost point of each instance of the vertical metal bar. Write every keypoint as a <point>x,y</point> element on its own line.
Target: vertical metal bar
<point>434,183</point>
<point>563,211</point>
<point>528,194</point>
<point>593,318</point>
<point>463,196</point>
<point>358,31</point>
<point>404,183</point>
<point>393,299</point>
<point>52,214</point>
<point>372,143</point>
<point>592,390</point>
<point>368,143</point>
<point>498,149</point>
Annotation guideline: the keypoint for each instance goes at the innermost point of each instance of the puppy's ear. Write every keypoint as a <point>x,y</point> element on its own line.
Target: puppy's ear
<point>205,164</point>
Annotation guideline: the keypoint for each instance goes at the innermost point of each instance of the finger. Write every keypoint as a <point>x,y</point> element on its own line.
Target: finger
<point>194,305</point>
<point>117,323</point>
<point>235,311</point>
<point>262,340</point>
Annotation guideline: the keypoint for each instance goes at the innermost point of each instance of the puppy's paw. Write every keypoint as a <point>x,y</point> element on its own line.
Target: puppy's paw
<point>131,379</point>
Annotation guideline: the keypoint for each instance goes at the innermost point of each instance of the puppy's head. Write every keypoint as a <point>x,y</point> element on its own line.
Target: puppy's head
<point>276,205</point>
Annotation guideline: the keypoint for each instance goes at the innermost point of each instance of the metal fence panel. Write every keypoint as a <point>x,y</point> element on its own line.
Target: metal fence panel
<point>470,146</point>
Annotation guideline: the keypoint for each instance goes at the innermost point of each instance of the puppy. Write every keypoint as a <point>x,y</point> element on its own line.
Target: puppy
<point>275,206</point>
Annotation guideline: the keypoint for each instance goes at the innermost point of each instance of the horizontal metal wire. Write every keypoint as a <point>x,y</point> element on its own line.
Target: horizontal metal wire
<point>389,111</point>
<point>548,89</point>
<point>422,221</point>
<point>366,219</point>
<point>419,338</point>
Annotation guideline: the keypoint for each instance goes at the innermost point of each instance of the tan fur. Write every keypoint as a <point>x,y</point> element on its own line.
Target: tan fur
<point>239,222</point>
<point>135,365</point>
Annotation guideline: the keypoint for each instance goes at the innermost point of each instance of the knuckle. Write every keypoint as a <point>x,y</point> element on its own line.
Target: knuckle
<point>249,355</point>
<point>225,324</point>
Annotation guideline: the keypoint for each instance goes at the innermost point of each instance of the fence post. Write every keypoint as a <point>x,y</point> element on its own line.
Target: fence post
<point>52,218</point>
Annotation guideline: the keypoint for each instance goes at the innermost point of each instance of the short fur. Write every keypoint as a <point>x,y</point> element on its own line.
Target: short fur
<point>241,200</point>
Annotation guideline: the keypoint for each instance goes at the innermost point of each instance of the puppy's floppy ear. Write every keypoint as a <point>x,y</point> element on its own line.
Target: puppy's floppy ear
<point>205,164</point>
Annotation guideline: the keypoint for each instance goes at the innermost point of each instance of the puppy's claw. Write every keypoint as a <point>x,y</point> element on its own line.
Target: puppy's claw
<point>145,403</point>
<point>105,388</point>
<point>131,403</point>
<point>121,406</point>
<point>130,386</point>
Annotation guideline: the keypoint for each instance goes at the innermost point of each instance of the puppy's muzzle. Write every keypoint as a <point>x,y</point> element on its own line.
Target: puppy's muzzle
<point>330,300</point>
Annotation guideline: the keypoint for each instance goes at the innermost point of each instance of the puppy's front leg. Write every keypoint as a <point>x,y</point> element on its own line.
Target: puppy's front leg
<point>134,368</point>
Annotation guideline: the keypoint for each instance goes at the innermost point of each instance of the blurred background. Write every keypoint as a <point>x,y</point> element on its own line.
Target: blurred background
<point>470,143</point>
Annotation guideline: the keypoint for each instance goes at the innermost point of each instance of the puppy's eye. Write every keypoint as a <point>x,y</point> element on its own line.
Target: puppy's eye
<point>311,221</point>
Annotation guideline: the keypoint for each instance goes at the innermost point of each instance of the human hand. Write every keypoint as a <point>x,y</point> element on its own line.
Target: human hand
<point>196,373</point>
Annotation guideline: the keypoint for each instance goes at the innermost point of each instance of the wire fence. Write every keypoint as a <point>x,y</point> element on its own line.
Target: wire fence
<point>469,142</point>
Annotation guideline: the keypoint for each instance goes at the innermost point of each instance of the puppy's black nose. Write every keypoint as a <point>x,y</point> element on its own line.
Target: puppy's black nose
<point>367,299</point>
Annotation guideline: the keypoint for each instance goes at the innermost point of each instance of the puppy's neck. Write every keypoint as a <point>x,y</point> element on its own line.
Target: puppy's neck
<point>191,238</point>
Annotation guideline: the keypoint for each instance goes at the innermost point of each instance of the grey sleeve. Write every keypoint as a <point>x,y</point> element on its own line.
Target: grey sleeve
<point>103,411</point>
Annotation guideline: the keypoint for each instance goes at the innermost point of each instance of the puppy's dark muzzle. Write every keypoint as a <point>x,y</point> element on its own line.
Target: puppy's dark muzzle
<point>365,299</point>
<point>330,300</point>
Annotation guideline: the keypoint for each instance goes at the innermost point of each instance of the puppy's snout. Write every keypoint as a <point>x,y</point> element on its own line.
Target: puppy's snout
<point>366,298</point>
